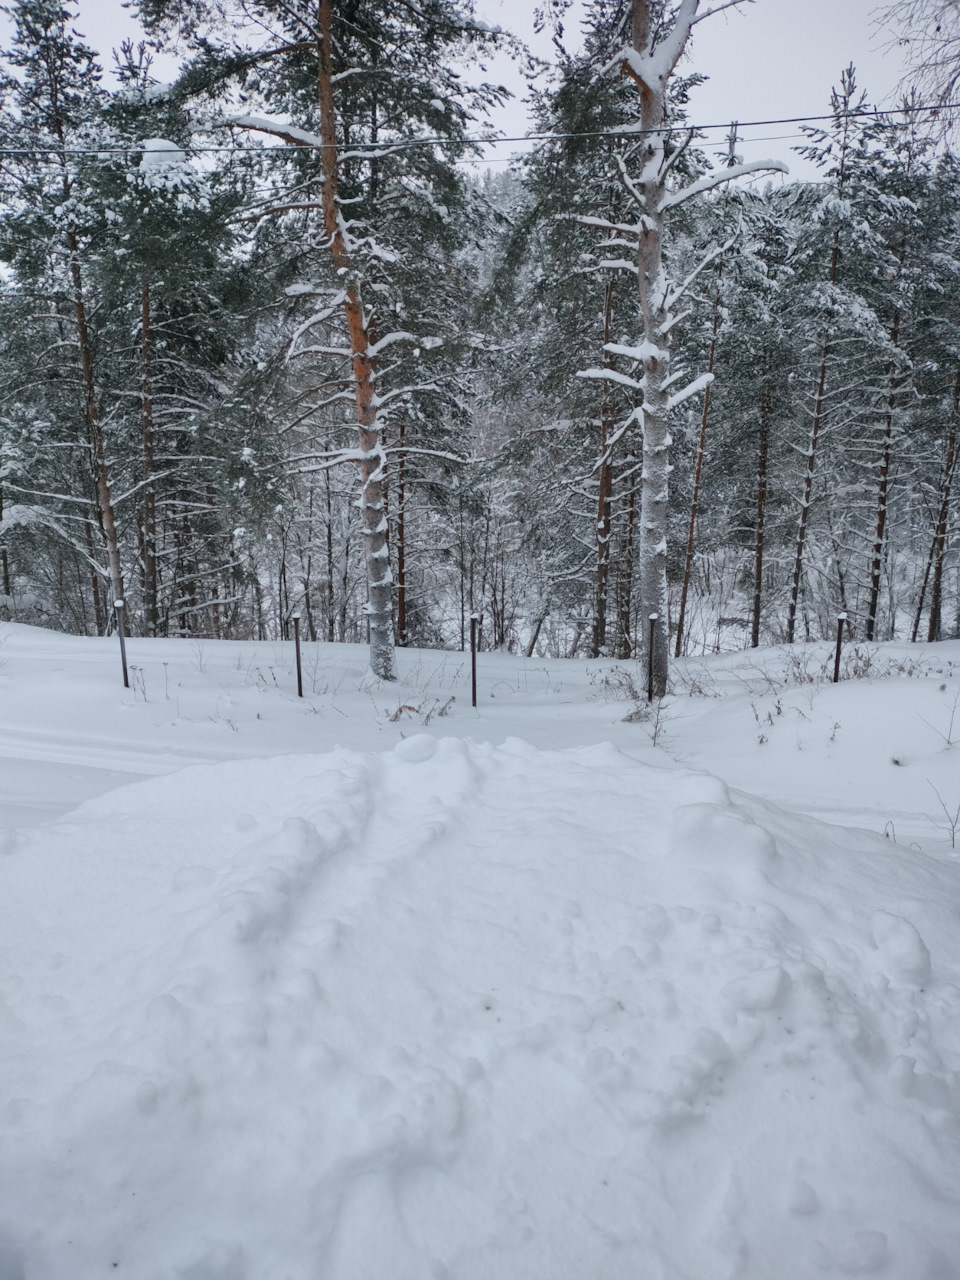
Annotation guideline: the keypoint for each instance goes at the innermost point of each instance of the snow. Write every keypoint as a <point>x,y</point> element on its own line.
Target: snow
<point>375,986</point>
<point>728,174</point>
<point>691,389</point>
<point>263,124</point>
<point>158,152</point>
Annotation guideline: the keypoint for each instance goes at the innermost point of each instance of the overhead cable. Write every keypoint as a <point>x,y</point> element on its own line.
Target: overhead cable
<point>402,144</point>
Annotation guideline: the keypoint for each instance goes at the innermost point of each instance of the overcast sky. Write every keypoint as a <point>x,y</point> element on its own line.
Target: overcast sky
<point>773,58</point>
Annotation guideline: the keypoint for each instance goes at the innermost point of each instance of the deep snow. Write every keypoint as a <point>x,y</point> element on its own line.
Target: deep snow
<point>439,1002</point>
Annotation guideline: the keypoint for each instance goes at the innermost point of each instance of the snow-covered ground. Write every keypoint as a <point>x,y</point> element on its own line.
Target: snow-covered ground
<point>374,986</point>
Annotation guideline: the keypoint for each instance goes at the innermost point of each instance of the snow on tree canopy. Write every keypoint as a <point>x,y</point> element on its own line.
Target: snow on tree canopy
<point>160,153</point>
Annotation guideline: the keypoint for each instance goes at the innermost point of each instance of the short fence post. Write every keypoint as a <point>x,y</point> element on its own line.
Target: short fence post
<point>296,641</point>
<point>473,658</point>
<point>118,605</point>
<point>650,645</point>
<point>841,619</point>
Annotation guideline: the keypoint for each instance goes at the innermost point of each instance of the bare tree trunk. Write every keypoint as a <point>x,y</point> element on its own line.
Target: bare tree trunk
<point>697,474</point>
<point>763,450</point>
<point>605,489</point>
<point>883,484</point>
<point>372,458</point>
<point>3,554</point>
<point>819,409</point>
<point>922,599</point>
<point>150,611</point>
<point>624,648</point>
<point>701,444</point>
<point>883,477</point>
<point>838,561</point>
<point>101,477</point>
<point>651,65</point>
<point>99,620</point>
<point>331,591</point>
<point>532,645</point>
<point>815,426</point>
<point>401,540</point>
<point>940,537</point>
<point>654,304</point>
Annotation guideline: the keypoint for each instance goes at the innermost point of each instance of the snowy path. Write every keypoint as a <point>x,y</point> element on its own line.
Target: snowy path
<point>473,1011</point>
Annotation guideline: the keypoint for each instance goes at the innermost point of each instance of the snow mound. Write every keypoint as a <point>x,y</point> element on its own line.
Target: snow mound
<point>475,1012</point>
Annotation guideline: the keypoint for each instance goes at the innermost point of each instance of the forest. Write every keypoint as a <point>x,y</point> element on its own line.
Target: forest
<point>272,348</point>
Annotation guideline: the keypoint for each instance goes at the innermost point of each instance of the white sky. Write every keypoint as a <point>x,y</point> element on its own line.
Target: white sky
<point>773,58</point>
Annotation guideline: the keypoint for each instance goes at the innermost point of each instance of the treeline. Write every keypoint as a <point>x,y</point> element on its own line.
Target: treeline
<point>202,300</point>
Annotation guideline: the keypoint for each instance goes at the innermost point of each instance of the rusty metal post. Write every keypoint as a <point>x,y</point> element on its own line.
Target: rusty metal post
<point>296,641</point>
<point>118,605</point>
<point>473,658</point>
<point>650,643</point>
<point>841,619</point>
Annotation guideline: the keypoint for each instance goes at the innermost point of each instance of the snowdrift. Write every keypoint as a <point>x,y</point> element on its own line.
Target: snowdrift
<point>477,1012</point>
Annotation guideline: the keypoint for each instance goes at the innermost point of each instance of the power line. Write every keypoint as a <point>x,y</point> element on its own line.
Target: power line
<point>386,148</point>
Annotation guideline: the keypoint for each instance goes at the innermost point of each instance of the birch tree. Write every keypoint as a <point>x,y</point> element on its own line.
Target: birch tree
<point>659,37</point>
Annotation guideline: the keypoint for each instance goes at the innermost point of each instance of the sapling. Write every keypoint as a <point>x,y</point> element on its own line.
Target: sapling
<point>952,816</point>
<point>948,738</point>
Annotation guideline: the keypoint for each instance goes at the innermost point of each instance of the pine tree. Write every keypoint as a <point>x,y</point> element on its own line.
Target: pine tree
<point>361,83</point>
<point>52,105</point>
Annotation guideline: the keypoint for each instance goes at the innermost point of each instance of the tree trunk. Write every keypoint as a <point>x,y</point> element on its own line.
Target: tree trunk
<point>940,537</point>
<point>922,598</point>
<point>624,648</point>
<point>883,483</point>
<point>99,620</point>
<point>698,472</point>
<point>814,439</point>
<point>402,637</point>
<point>3,554</point>
<point>101,477</point>
<point>819,409</point>
<point>531,646</point>
<point>372,458</point>
<point>655,307</point>
<point>605,489</point>
<point>883,478</point>
<point>763,451</point>
<point>150,610</point>
<point>331,590</point>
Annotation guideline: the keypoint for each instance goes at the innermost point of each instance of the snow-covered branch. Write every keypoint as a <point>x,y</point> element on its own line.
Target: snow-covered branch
<point>401,335</point>
<point>610,375</point>
<point>381,401</point>
<point>719,176</point>
<point>692,389</point>
<point>288,132</point>
<point>631,228</point>
<point>645,351</point>
<point>678,290</point>
<point>633,190</point>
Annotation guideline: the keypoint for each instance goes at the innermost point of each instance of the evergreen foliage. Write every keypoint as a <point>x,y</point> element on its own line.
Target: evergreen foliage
<point>187,344</point>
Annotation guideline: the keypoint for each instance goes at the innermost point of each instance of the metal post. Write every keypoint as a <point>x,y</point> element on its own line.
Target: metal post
<point>652,642</point>
<point>296,641</point>
<point>118,605</point>
<point>473,658</point>
<point>841,619</point>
